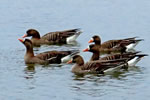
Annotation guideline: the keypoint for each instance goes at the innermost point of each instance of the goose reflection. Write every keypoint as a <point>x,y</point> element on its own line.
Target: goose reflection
<point>29,71</point>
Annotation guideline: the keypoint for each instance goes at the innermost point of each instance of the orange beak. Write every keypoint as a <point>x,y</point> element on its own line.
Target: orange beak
<point>85,50</point>
<point>21,40</point>
<point>69,62</point>
<point>24,36</point>
<point>90,41</point>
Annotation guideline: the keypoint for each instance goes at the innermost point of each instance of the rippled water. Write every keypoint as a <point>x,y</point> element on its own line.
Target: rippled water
<point>110,19</point>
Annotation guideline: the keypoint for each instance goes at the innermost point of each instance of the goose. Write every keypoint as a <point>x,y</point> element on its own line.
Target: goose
<point>133,57</point>
<point>92,66</point>
<point>116,45</point>
<point>48,57</point>
<point>58,37</point>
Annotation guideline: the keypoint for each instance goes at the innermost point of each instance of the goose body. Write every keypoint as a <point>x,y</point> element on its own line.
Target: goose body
<point>93,66</point>
<point>120,45</point>
<point>49,57</point>
<point>132,58</point>
<point>58,37</point>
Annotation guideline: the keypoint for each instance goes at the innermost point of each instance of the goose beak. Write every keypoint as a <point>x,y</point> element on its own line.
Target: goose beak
<point>85,50</point>
<point>69,62</point>
<point>24,36</point>
<point>21,40</point>
<point>90,41</point>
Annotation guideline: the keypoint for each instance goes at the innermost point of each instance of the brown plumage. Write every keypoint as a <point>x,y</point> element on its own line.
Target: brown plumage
<point>58,37</point>
<point>96,54</point>
<point>48,57</point>
<point>93,66</point>
<point>130,57</point>
<point>120,45</point>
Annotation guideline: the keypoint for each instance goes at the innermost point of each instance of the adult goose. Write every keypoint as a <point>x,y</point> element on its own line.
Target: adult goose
<point>116,45</point>
<point>49,57</point>
<point>93,66</point>
<point>132,57</point>
<point>58,37</point>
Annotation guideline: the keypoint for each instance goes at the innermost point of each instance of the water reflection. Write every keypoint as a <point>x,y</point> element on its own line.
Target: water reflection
<point>30,68</point>
<point>97,85</point>
<point>108,18</point>
<point>118,74</point>
<point>121,74</point>
<point>29,71</point>
<point>86,75</point>
<point>89,84</point>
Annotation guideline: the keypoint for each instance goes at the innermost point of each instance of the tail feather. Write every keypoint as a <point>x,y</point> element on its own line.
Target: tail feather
<point>74,52</point>
<point>78,31</point>
<point>138,40</point>
<point>132,38</point>
<point>136,59</point>
<point>74,35</point>
<point>132,44</point>
<point>72,30</point>
<point>69,56</point>
<point>141,55</point>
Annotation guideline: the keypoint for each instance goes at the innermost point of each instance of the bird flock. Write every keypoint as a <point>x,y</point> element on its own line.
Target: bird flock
<point>119,53</point>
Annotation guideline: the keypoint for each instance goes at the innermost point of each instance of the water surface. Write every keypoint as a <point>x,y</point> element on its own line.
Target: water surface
<point>111,19</point>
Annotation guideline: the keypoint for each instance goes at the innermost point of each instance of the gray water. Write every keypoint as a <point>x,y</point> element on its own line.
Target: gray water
<point>111,19</point>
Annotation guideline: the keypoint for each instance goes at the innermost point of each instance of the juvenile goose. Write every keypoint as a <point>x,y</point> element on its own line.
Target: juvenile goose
<point>132,58</point>
<point>58,37</point>
<point>48,57</point>
<point>120,44</point>
<point>92,66</point>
